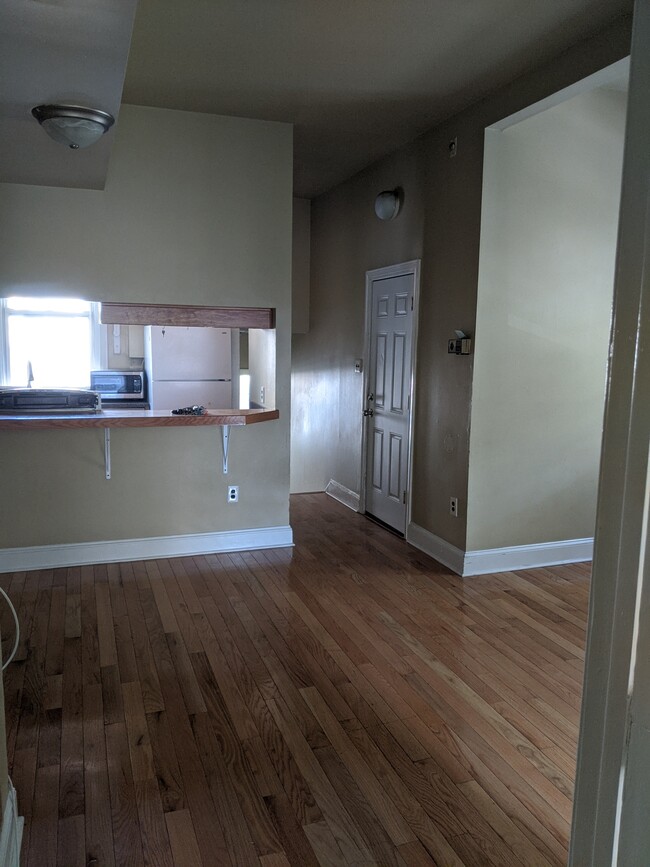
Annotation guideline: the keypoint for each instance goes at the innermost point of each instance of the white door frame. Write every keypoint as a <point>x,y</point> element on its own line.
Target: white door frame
<point>610,822</point>
<point>401,270</point>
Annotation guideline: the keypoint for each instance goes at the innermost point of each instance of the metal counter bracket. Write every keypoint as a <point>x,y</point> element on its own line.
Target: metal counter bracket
<point>107,451</point>
<point>225,435</point>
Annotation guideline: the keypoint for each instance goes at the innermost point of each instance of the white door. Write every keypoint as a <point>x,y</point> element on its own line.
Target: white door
<point>388,398</point>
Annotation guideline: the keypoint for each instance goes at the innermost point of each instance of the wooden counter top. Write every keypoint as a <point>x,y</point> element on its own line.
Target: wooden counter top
<point>124,418</point>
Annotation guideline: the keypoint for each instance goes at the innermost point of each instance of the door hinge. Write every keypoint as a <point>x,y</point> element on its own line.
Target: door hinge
<point>411,302</point>
<point>404,497</point>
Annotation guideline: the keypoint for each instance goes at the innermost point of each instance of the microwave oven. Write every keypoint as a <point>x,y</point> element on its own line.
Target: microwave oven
<point>118,384</point>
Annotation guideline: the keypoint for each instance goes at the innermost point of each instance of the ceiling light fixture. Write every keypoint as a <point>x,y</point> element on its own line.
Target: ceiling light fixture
<point>72,125</point>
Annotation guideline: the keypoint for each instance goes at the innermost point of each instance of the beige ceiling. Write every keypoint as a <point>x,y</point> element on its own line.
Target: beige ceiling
<point>357,77</point>
<point>71,51</point>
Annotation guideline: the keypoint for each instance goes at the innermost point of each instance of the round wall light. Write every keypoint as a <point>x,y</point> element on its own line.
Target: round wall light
<point>387,204</point>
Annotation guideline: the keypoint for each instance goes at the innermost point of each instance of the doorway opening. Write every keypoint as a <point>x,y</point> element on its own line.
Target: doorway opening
<point>551,191</point>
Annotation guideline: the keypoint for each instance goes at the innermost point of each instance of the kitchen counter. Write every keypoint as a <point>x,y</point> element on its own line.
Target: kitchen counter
<point>127,418</point>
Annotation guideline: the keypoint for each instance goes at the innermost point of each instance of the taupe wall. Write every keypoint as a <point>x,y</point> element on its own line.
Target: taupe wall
<point>450,275</point>
<point>300,266</point>
<point>551,194</point>
<point>347,241</point>
<point>196,209</point>
<point>443,227</point>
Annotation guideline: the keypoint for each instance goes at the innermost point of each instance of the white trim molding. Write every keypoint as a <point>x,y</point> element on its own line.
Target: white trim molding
<point>469,563</point>
<point>118,550</point>
<point>11,834</point>
<point>436,547</point>
<point>527,556</point>
<point>343,495</point>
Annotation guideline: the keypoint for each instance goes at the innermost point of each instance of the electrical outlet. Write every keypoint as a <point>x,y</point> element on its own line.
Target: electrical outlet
<point>233,493</point>
<point>453,506</point>
<point>262,394</point>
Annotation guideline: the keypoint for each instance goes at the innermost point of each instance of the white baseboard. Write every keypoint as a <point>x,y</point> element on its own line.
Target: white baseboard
<point>468,563</point>
<point>118,550</point>
<point>527,556</point>
<point>344,495</point>
<point>11,834</point>
<point>436,547</point>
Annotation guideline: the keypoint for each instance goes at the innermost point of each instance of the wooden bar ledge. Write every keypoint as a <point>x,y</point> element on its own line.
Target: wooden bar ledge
<point>123,418</point>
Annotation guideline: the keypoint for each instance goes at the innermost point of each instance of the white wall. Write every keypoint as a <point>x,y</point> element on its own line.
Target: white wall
<point>550,214</point>
<point>261,367</point>
<point>196,210</point>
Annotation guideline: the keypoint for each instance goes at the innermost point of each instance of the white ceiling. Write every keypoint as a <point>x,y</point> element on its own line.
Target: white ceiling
<point>358,78</point>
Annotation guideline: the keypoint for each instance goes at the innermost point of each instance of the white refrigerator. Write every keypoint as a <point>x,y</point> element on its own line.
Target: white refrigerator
<point>189,366</point>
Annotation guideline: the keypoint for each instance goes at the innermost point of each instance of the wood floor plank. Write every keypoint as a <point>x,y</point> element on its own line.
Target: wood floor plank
<point>208,829</point>
<point>71,792</point>
<point>148,675</point>
<point>55,632</point>
<point>45,821</point>
<point>99,831</point>
<point>373,832</point>
<point>345,702</point>
<point>185,849</point>
<point>388,814</point>
<point>337,818</point>
<point>137,730</point>
<point>156,849</point>
<point>238,833</point>
<point>71,842</point>
<point>325,846</point>
<point>239,773</point>
<point>290,832</point>
<point>426,831</point>
<point>72,627</point>
<point>126,827</point>
<point>503,825</point>
<point>168,774</point>
<point>105,630</point>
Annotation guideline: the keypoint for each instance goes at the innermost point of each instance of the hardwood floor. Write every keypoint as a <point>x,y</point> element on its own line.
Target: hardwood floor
<point>347,702</point>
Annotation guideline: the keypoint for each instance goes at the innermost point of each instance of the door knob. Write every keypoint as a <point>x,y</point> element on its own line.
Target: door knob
<point>369,412</point>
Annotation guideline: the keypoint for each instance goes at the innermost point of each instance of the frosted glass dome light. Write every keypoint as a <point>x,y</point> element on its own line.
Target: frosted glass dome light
<point>387,204</point>
<point>72,125</point>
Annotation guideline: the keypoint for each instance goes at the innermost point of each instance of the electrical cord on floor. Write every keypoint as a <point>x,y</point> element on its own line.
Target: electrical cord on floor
<point>17,638</point>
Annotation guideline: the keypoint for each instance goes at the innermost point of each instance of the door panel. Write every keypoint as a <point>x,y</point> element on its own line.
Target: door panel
<point>389,379</point>
<point>380,369</point>
<point>395,467</point>
<point>377,452</point>
<point>399,362</point>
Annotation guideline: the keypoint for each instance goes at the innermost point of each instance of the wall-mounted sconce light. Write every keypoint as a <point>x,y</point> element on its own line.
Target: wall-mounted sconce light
<point>72,125</point>
<point>460,345</point>
<point>387,204</point>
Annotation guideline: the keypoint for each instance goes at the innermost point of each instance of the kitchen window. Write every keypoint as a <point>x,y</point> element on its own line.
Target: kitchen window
<point>48,342</point>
